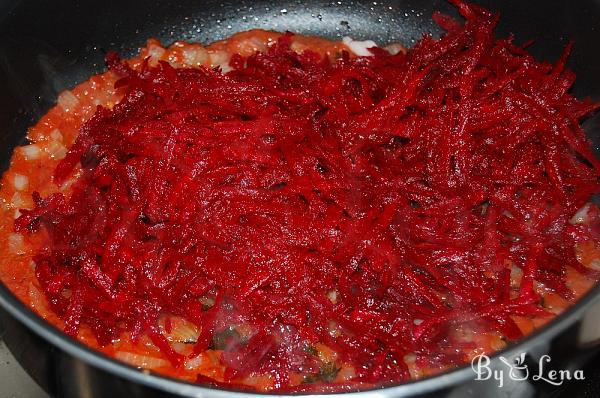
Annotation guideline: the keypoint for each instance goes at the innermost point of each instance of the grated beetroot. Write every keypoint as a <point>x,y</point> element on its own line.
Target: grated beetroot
<point>318,201</point>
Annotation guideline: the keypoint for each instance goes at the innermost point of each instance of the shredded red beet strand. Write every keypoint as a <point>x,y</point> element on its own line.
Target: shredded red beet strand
<point>407,184</point>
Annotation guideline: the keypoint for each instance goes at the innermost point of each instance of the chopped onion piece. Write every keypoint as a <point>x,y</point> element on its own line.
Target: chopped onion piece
<point>582,215</point>
<point>181,331</point>
<point>141,361</point>
<point>20,182</point>
<point>17,200</point>
<point>360,48</point>
<point>30,152</point>
<point>346,373</point>
<point>16,244</point>
<point>220,59</point>
<point>155,52</point>
<point>195,362</point>
<point>37,299</point>
<point>225,67</point>
<point>56,135</point>
<point>332,296</point>
<point>67,101</point>
<point>516,275</point>
<point>395,48</point>
<point>195,56</point>
<point>56,150</point>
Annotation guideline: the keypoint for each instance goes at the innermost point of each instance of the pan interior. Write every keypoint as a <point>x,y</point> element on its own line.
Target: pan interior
<point>47,47</point>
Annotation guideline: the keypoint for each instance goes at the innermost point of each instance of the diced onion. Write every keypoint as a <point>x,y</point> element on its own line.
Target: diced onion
<point>141,361</point>
<point>20,182</point>
<point>182,348</point>
<point>220,59</point>
<point>16,244</point>
<point>182,331</point>
<point>334,329</point>
<point>37,299</point>
<point>360,48</point>
<point>516,274</point>
<point>56,135</point>
<point>332,296</point>
<point>225,67</point>
<point>346,373</point>
<point>30,152</point>
<point>155,52</point>
<point>195,362</point>
<point>251,45</point>
<point>395,48</point>
<point>595,264</point>
<point>410,358</point>
<point>56,150</point>
<point>17,200</point>
<point>582,216</point>
<point>67,100</point>
<point>195,56</point>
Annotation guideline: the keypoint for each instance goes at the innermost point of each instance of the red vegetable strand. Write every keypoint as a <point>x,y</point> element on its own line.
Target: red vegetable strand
<point>319,201</point>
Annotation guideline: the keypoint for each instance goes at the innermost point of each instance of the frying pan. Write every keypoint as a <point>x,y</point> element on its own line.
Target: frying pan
<point>49,46</point>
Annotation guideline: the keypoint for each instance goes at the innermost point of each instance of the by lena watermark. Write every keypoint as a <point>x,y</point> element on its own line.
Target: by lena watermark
<point>518,370</point>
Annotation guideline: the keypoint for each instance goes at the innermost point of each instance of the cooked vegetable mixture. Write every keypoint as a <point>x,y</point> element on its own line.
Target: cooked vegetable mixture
<point>277,212</point>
